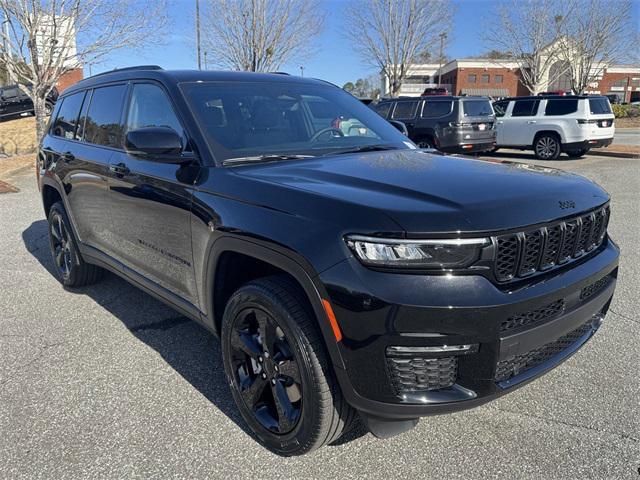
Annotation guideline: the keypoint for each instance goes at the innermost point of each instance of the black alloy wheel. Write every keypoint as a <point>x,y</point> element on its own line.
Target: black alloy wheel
<point>266,370</point>
<point>278,369</point>
<point>60,245</point>
<point>71,269</point>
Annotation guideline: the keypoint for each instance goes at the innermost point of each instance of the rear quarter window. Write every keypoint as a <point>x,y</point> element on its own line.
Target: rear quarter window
<point>404,110</point>
<point>433,109</point>
<point>560,107</point>
<point>599,106</point>
<point>67,120</point>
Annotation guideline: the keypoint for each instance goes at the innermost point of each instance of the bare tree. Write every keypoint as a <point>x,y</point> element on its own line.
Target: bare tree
<point>44,39</point>
<point>601,34</point>
<point>260,35</point>
<point>527,31</point>
<point>391,34</point>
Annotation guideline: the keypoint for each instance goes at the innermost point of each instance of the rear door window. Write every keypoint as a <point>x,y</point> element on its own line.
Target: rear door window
<point>433,109</point>
<point>404,110</point>
<point>67,119</point>
<point>599,106</point>
<point>382,109</point>
<point>103,123</point>
<point>561,107</point>
<point>525,108</point>
<point>476,108</point>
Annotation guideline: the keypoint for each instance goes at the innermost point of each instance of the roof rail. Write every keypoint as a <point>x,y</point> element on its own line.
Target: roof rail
<point>137,67</point>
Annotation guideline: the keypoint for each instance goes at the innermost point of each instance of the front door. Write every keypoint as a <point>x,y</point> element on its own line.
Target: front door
<point>519,125</point>
<point>150,202</point>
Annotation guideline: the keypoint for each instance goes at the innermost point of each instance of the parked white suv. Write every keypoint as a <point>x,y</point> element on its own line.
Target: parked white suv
<point>552,125</point>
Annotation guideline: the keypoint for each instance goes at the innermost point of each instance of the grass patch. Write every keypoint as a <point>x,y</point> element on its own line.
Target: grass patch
<point>18,136</point>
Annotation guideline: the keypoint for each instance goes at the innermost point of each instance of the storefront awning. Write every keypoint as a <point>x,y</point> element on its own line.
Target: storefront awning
<point>487,92</point>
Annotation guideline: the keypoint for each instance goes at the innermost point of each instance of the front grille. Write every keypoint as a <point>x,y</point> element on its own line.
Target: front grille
<point>420,374</point>
<point>532,317</point>
<point>524,253</point>
<point>594,288</point>
<point>513,366</point>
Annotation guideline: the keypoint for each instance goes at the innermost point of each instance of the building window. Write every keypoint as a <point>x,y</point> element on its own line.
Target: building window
<point>498,78</point>
<point>635,82</point>
<point>471,78</point>
<point>485,78</point>
<point>620,83</point>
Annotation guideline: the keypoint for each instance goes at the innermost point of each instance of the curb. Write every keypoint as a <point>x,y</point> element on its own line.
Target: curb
<point>614,154</point>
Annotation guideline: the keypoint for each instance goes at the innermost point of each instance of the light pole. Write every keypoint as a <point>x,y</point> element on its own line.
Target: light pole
<point>443,36</point>
<point>301,71</point>
<point>198,33</point>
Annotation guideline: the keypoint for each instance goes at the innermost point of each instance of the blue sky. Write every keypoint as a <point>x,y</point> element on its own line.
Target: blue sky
<point>334,59</point>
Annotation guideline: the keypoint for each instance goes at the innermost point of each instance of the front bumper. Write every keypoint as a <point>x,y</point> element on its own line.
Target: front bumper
<point>378,310</point>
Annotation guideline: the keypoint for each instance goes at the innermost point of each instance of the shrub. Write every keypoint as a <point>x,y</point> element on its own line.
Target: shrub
<point>620,111</point>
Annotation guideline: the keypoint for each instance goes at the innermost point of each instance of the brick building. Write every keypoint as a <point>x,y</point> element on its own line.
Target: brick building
<point>69,78</point>
<point>501,78</point>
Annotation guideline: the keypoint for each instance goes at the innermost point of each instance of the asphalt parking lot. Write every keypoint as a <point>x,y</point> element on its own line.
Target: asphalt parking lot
<point>106,382</point>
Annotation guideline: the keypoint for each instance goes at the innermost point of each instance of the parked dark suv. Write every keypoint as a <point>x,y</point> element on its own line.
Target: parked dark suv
<point>345,271</point>
<point>449,124</point>
<point>14,102</point>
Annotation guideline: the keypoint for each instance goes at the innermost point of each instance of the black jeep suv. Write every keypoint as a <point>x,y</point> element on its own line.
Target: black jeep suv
<point>15,103</point>
<point>345,271</point>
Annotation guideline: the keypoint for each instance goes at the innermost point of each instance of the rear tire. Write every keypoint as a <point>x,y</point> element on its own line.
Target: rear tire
<point>577,153</point>
<point>271,345</point>
<point>426,143</point>
<point>547,147</point>
<point>71,269</point>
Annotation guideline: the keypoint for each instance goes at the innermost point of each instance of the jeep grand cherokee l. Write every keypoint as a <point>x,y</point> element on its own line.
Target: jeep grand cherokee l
<point>345,271</point>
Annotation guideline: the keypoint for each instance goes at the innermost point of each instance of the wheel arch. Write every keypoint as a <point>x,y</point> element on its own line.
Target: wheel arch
<point>548,131</point>
<point>229,252</point>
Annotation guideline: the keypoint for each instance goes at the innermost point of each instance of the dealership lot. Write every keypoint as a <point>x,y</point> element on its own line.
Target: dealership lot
<point>107,382</point>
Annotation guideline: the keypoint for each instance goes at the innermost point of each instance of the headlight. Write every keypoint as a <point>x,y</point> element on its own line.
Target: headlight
<point>429,254</point>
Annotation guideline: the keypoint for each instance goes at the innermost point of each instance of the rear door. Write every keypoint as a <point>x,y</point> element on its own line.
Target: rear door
<point>89,145</point>
<point>150,202</point>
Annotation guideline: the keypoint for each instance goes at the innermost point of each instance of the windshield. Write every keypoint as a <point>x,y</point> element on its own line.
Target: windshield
<point>477,108</point>
<point>253,119</point>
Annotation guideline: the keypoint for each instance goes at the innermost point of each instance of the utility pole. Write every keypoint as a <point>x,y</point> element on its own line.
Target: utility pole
<point>301,71</point>
<point>198,33</point>
<point>443,36</point>
<point>205,60</point>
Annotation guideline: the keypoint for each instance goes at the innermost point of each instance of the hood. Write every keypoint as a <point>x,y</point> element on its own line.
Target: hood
<point>426,193</point>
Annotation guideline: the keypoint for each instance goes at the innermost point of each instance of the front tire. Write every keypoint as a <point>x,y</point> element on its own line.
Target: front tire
<point>547,147</point>
<point>71,269</point>
<point>278,370</point>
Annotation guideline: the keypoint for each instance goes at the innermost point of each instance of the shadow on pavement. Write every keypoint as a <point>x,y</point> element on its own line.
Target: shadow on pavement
<point>188,348</point>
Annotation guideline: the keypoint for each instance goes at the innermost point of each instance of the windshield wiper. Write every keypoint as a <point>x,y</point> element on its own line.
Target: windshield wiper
<point>263,158</point>
<point>365,148</point>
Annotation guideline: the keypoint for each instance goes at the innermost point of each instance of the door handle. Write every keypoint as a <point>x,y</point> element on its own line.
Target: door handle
<point>119,169</point>
<point>68,157</point>
<point>530,122</point>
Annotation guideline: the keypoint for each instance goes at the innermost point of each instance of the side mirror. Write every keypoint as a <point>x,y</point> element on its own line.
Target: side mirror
<point>161,144</point>
<point>400,126</point>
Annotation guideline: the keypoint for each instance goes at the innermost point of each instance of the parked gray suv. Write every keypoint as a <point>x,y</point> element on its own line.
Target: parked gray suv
<point>449,124</point>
